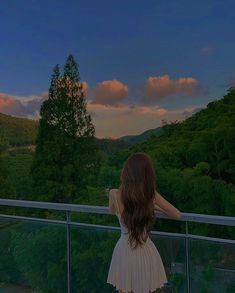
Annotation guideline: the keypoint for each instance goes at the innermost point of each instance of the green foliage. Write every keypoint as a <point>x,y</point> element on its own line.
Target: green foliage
<point>46,247</point>
<point>6,188</point>
<point>18,169</point>
<point>230,288</point>
<point>9,272</point>
<point>108,176</point>
<point>202,168</point>
<point>91,259</point>
<point>4,143</point>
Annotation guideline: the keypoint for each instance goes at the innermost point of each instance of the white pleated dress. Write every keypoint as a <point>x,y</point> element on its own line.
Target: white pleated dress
<point>140,270</point>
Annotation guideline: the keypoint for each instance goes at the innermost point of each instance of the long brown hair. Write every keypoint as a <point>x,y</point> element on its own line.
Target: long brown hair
<point>137,191</point>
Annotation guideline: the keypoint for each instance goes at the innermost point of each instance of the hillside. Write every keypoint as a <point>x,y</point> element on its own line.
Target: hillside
<point>133,139</point>
<point>195,159</point>
<point>207,136</point>
<point>110,146</point>
<point>17,131</point>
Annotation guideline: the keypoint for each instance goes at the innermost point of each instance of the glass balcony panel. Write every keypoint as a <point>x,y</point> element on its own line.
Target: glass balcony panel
<point>92,250</point>
<point>211,266</point>
<point>173,253</point>
<point>32,257</point>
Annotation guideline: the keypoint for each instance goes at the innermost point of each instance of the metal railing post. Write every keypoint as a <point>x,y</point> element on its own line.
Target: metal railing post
<point>68,218</point>
<point>187,257</point>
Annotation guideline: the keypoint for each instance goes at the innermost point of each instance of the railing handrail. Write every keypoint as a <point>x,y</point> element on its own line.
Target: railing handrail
<point>189,217</point>
<point>116,228</point>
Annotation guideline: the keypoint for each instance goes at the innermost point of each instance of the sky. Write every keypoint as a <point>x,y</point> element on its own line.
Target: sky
<point>141,62</point>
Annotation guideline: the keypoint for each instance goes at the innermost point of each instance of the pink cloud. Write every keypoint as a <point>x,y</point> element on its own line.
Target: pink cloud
<point>159,87</point>
<point>206,50</point>
<point>86,90</point>
<point>11,106</point>
<point>44,95</point>
<point>187,86</point>
<point>110,92</point>
<point>21,106</point>
<point>26,106</point>
<point>85,86</point>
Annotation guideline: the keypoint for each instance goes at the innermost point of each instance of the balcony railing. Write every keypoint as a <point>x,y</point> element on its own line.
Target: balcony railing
<point>60,255</point>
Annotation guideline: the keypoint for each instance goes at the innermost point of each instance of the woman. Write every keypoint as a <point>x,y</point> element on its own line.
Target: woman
<point>136,265</point>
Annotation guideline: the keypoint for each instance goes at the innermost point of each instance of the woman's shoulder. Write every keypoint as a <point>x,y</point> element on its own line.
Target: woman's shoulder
<point>114,193</point>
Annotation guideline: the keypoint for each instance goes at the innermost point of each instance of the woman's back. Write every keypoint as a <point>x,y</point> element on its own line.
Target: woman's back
<point>116,197</point>
<point>160,203</point>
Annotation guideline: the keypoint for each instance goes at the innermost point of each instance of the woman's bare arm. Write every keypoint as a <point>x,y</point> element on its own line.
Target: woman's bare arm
<point>167,207</point>
<point>112,209</point>
<point>156,207</point>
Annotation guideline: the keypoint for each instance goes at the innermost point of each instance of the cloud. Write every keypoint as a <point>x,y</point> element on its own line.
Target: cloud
<point>11,106</point>
<point>85,85</point>
<point>160,87</point>
<point>21,106</point>
<point>86,89</point>
<point>191,110</point>
<point>206,50</point>
<point>110,92</point>
<point>28,107</point>
<point>44,95</point>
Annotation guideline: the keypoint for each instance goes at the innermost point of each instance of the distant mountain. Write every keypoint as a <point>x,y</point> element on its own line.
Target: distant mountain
<point>133,139</point>
<point>23,131</point>
<point>110,146</point>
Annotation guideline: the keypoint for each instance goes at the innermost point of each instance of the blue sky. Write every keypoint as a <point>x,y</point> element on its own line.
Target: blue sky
<point>126,41</point>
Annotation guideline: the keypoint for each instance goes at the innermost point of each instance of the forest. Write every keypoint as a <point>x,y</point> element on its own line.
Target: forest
<point>194,159</point>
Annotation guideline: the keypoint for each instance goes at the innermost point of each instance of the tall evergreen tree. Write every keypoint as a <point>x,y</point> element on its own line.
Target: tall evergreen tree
<point>66,158</point>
